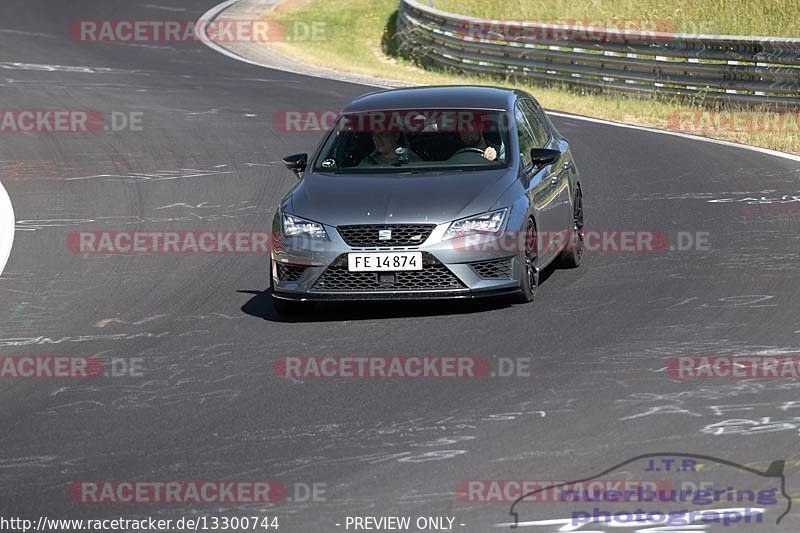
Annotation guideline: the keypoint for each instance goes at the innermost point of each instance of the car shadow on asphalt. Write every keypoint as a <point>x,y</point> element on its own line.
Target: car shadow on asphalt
<point>260,306</point>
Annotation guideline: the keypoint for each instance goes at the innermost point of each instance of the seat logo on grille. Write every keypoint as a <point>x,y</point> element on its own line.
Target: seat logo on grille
<point>384,235</point>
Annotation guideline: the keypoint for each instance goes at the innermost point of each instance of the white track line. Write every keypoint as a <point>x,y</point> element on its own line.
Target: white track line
<point>208,17</point>
<point>6,227</point>
<point>767,151</point>
<point>212,13</point>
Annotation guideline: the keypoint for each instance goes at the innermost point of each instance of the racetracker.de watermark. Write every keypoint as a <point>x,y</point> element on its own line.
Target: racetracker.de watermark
<point>593,241</point>
<point>169,242</point>
<point>177,492</point>
<point>734,366</point>
<point>601,30</point>
<point>698,121</point>
<point>68,367</point>
<point>401,367</point>
<point>32,120</point>
<point>406,121</point>
<point>382,367</point>
<point>50,366</point>
<point>219,30</point>
<point>549,491</point>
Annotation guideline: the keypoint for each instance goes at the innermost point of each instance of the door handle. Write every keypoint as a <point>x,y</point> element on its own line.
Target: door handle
<point>554,180</point>
<point>567,165</point>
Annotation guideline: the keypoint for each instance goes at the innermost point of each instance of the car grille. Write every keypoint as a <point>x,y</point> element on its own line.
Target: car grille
<point>366,235</point>
<point>433,276</point>
<point>290,272</point>
<point>495,269</point>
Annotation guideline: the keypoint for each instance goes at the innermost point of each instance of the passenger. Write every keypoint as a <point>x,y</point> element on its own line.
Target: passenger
<point>389,151</point>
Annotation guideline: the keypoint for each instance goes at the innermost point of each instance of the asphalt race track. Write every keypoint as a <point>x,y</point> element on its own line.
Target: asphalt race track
<point>205,403</point>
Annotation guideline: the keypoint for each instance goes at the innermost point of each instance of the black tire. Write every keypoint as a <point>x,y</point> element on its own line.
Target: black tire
<point>572,255</point>
<point>529,260</point>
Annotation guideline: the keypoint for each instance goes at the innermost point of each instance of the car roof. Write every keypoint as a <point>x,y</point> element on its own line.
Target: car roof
<point>435,97</point>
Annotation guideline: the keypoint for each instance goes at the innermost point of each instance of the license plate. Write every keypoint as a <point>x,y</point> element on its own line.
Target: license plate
<point>384,262</point>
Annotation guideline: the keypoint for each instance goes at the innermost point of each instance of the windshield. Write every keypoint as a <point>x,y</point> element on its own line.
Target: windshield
<point>416,140</point>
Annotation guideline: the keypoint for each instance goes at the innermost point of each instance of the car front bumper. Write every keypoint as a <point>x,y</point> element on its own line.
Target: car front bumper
<point>316,270</point>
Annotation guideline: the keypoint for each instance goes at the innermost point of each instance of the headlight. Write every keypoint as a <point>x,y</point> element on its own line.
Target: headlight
<point>491,222</point>
<point>299,227</point>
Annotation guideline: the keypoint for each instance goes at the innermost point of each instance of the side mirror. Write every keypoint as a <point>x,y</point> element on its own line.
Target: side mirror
<point>296,163</point>
<point>542,156</point>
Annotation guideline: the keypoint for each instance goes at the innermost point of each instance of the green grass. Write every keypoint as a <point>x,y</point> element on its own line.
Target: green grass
<point>356,29</point>
<point>780,18</point>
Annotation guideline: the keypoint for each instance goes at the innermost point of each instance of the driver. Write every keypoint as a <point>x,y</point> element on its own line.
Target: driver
<point>474,141</point>
<point>389,151</point>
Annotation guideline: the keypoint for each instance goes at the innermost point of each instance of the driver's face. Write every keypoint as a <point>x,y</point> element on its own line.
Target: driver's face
<point>470,137</point>
<point>386,141</point>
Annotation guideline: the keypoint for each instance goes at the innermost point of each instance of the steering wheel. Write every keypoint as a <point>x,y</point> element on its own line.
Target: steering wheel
<point>469,150</point>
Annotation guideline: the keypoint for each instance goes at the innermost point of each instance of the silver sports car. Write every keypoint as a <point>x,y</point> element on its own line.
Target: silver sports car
<point>431,192</point>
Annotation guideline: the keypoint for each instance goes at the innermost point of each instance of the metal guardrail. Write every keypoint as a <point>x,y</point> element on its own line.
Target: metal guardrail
<point>707,68</point>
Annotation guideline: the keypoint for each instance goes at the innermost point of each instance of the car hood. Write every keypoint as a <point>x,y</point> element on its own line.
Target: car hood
<point>398,198</point>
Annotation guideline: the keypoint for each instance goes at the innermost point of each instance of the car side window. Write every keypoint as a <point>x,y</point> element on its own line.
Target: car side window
<point>535,119</point>
<point>524,136</point>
